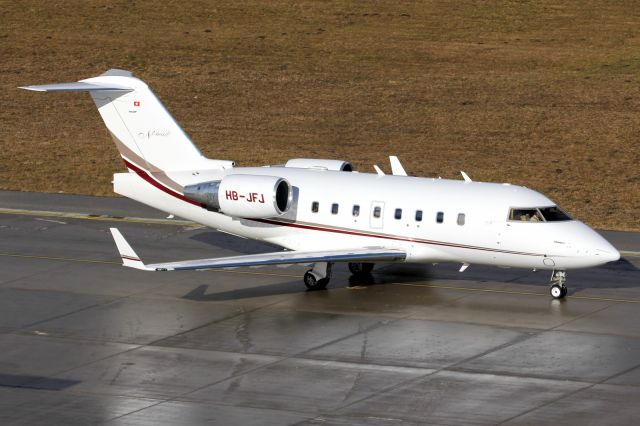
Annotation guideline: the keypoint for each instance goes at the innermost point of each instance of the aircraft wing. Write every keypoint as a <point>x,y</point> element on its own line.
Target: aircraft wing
<point>367,254</point>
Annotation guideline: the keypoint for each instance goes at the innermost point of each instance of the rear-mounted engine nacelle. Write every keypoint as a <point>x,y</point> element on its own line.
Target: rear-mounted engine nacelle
<point>247,196</point>
<point>316,163</point>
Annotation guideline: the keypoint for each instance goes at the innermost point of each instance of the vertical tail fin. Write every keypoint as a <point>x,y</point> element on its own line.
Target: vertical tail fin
<point>143,130</point>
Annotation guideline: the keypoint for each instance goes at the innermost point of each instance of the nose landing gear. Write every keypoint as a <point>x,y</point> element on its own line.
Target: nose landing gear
<point>558,290</point>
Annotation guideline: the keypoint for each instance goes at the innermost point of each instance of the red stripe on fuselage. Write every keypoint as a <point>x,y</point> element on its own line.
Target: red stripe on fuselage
<point>149,178</point>
<point>390,237</point>
<point>146,176</point>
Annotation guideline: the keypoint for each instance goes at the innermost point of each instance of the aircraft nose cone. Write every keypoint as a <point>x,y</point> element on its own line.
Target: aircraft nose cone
<point>610,255</point>
<point>604,251</point>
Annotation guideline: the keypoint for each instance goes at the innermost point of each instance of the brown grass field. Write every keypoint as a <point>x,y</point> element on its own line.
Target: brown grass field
<point>538,93</point>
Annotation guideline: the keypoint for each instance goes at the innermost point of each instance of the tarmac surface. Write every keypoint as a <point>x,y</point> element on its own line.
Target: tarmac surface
<point>84,340</point>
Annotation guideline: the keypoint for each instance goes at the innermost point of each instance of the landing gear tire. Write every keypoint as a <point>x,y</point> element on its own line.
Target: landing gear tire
<point>357,268</point>
<point>557,291</point>
<point>312,283</point>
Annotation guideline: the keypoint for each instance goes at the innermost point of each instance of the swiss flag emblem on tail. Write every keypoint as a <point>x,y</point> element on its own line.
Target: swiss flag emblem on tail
<point>136,103</point>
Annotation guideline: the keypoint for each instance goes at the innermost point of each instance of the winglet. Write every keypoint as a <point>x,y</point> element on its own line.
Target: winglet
<point>396,166</point>
<point>129,257</point>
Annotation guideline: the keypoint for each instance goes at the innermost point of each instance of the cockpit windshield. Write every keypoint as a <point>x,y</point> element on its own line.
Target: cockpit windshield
<point>538,214</point>
<point>554,214</point>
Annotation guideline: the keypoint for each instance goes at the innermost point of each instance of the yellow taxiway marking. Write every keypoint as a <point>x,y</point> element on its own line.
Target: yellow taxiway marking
<point>64,259</point>
<point>83,216</point>
<point>357,287</point>
<point>107,262</point>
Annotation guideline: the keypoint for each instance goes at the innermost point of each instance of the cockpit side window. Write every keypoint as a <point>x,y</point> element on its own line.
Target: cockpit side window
<point>554,214</point>
<point>538,214</point>
<point>525,215</point>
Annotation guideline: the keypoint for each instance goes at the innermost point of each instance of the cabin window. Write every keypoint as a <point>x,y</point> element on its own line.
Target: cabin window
<point>418,215</point>
<point>315,206</point>
<point>356,210</point>
<point>398,214</point>
<point>334,208</point>
<point>440,217</point>
<point>461,219</point>
<point>377,212</point>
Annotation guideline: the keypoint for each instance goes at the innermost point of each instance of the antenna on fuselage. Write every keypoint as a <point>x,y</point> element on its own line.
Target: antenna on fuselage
<point>378,170</point>
<point>396,166</point>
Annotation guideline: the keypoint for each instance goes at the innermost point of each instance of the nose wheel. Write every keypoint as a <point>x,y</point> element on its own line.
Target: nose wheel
<point>558,290</point>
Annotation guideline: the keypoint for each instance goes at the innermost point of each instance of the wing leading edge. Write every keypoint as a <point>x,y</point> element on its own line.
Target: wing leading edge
<point>369,254</point>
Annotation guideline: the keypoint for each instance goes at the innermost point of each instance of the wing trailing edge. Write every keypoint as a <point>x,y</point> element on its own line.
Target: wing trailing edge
<point>367,254</point>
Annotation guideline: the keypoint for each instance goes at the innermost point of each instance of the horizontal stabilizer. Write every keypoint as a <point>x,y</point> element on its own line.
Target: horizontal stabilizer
<point>77,86</point>
<point>371,254</point>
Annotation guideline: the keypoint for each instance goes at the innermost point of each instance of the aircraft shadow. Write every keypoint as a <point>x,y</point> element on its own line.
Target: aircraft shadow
<point>35,382</point>
<point>233,243</point>
<point>620,274</point>
<point>200,294</point>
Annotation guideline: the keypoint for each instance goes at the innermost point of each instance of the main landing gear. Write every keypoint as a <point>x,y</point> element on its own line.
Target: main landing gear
<point>318,277</point>
<point>361,268</point>
<point>558,290</point>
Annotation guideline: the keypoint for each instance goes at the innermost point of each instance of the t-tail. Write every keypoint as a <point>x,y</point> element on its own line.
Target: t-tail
<point>145,133</point>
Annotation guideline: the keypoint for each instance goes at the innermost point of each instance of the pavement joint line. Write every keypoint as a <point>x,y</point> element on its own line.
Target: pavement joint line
<point>281,359</point>
<point>567,395</point>
<point>558,327</point>
<point>429,376</point>
<point>133,346</point>
<point>403,383</point>
<point>102,217</point>
<point>452,367</point>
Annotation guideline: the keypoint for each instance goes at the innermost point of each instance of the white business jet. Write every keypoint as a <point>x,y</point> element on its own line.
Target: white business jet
<point>322,211</point>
